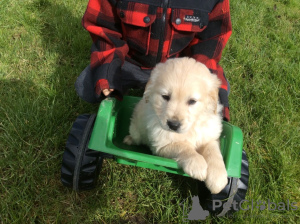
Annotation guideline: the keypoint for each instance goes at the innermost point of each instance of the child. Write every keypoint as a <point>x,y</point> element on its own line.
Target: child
<point>131,37</point>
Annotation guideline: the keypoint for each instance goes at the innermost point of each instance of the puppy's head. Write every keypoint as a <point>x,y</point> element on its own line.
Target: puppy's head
<point>180,91</point>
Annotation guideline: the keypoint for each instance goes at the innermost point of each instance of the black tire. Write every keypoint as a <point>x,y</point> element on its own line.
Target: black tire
<point>80,165</point>
<point>234,193</point>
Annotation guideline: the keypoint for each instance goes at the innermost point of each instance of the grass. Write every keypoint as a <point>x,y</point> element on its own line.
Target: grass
<point>43,48</point>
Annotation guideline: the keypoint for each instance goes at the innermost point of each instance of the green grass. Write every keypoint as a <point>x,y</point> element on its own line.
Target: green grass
<point>43,48</point>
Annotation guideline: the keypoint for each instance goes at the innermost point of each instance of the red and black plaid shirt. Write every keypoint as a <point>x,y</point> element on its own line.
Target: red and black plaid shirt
<point>146,32</point>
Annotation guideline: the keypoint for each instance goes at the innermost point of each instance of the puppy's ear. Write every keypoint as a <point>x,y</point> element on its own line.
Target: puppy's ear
<point>214,97</point>
<point>214,93</point>
<point>151,82</point>
<point>147,91</point>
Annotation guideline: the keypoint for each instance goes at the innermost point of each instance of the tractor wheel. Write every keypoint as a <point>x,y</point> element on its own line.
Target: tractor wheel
<point>228,200</point>
<point>81,165</point>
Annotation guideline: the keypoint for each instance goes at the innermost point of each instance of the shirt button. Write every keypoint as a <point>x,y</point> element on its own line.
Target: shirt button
<point>178,21</point>
<point>122,14</point>
<point>147,19</point>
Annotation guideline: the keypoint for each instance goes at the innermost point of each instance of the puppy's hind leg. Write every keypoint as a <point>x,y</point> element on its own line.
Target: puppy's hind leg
<point>128,140</point>
<point>134,137</point>
<point>187,158</point>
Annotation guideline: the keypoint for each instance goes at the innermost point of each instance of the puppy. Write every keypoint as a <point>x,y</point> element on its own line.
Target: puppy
<point>179,118</point>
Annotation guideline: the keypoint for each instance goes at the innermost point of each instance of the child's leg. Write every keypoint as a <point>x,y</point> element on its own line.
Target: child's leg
<point>134,77</point>
<point>84,86</point>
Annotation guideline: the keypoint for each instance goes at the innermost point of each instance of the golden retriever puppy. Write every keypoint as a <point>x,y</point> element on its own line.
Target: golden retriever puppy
<point>179,118</point>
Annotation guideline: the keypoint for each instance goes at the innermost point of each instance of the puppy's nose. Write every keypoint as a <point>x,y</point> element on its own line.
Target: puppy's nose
<point>173,125</point>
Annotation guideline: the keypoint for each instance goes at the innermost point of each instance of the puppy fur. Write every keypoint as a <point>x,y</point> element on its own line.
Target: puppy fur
<point>179,118</point>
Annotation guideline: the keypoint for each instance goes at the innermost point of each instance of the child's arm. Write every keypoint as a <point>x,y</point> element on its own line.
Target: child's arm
<point>208,45</point>
<point>108,49</point>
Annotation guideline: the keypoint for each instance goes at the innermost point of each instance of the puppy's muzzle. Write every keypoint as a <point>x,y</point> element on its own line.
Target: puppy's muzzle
<point>173,124</point>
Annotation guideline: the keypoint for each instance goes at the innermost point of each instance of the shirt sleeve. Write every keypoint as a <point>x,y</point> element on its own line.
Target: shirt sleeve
<point>108,49</point>
<point>208,45</point>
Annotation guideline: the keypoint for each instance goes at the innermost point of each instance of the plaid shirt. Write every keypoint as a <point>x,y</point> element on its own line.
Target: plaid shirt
<point>146,32</point>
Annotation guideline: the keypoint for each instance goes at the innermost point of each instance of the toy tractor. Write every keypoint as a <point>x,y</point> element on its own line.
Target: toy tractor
<point>100,136</point>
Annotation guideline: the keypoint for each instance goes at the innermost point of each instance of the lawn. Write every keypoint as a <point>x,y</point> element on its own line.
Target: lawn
<point>43,48</point>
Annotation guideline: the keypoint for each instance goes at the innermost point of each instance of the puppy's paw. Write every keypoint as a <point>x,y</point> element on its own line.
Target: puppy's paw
<point>216,178</point>
<point>195,167</point>
<point>128,140</point>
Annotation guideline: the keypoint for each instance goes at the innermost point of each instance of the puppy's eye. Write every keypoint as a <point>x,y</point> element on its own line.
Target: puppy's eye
<point>191,102</point>
<point>166,97</point>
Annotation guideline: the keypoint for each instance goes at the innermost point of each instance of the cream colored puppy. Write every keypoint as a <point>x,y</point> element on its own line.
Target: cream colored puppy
<point>179,118</point>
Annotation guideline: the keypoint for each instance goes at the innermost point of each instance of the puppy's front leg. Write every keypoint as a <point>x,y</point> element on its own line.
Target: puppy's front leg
<point>187,158</point>
<point>216,178</point>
